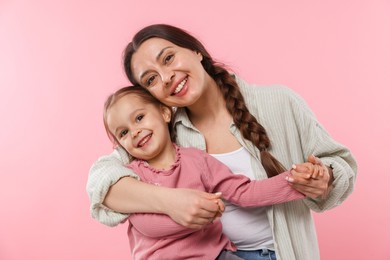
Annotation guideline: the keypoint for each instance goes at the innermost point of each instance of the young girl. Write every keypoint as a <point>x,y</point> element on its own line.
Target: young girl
<point>139,123</point>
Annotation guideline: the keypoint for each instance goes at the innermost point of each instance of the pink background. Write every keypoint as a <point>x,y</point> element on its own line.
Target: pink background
<point>59,61</point>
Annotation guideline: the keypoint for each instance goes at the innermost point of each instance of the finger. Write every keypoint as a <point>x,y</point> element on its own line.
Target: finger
<point>299,175</point>
<point>316,171</point>
<point>303,167</point>
<point>314,160</point>
<point>321,172</point>
<point>203,219</point>
<point>221,205</point>
<point>308,191</point>
<point>311,188</point>
<point>212,196</point>
<point>208,202</point>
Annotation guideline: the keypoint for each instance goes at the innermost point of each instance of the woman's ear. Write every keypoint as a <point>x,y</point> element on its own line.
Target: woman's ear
<point>166,113</point>
<point>199,54</point>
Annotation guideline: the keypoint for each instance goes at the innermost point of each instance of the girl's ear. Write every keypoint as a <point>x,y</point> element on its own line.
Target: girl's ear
<point>166,113</point>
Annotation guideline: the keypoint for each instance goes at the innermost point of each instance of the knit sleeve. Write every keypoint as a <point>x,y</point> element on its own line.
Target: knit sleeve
<point>105,172</point>
<point>315,140</point>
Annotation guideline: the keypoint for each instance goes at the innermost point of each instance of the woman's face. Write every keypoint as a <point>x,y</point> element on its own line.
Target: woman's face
<point>172,74</point>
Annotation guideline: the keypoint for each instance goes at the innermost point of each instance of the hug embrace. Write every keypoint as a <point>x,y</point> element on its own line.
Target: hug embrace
<point>233,171</point>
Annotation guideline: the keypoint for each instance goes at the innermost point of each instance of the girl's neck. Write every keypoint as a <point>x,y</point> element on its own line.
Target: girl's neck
<point>165,159</point>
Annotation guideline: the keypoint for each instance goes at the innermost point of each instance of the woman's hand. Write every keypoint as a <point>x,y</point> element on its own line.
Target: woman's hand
<point>312,178</point>
<point>187,207</point>
<point>192,208</point>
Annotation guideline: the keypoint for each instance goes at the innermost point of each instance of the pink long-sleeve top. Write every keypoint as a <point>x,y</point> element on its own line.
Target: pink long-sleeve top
<point>156,236</point>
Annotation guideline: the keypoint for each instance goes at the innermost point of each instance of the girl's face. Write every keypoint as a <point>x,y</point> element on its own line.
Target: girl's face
<point>172,74</point>
<point>140,127</point>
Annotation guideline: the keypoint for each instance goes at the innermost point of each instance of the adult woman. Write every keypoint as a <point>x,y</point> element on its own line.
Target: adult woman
<point>213,116</point>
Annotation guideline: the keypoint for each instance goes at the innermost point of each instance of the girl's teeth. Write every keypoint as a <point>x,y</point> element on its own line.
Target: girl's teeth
<point>143,141</point>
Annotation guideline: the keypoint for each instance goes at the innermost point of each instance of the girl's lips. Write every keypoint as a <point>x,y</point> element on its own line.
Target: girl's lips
<point>144,140</point>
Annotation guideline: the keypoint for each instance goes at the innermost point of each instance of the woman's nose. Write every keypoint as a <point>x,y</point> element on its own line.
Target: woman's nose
<point>168,77</point>
<point>135,133</point>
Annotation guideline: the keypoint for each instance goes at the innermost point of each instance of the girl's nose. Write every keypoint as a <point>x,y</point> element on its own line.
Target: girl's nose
<point>135,133</point>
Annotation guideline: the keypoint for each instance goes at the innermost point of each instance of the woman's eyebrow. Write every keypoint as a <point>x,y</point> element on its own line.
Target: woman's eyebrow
<point>162,51</point>
<point>157,58</point>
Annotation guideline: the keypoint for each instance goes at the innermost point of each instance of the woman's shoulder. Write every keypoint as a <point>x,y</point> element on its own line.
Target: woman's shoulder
<point>264,91</point>
<point>268,95</point>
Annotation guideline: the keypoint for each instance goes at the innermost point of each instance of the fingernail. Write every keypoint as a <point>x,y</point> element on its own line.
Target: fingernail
<point>218,193</point>
<point>289,179</point>
<point>294,166</point>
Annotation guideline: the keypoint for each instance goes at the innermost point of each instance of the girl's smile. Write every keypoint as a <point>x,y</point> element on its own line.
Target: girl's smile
<point>141,128</point>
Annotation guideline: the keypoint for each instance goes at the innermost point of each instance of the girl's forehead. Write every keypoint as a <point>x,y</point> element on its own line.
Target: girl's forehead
<point>129,96</point>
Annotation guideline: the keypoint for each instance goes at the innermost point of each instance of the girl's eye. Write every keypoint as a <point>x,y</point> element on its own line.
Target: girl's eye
<point>150,80</point>
<point>123,133</point>
<point>139,118</point>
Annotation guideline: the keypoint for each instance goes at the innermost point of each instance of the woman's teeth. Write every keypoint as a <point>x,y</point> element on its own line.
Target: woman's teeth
<point>180,86</point>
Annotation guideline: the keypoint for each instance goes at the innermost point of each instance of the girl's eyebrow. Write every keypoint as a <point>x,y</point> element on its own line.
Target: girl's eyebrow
<point>121,127</point>
<point>117,131</point>
<point>157,58</point>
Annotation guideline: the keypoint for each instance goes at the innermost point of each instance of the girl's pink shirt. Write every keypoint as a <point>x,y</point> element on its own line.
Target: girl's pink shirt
<point>156,236</point>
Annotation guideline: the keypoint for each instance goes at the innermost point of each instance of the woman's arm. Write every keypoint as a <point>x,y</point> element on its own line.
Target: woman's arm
<point>115,192</point>
<point>187,207</point>
<point>316,141</point>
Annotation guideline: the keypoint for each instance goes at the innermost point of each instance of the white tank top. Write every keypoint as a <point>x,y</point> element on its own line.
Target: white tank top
<point>247,228</point>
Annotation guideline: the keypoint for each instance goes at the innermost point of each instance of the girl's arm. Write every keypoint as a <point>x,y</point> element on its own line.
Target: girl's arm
<point>240,190</point>
<point>114,192</point>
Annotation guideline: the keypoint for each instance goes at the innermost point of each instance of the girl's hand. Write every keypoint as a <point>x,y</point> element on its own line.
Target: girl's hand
<point>192,208</point>
<point>311,178</point>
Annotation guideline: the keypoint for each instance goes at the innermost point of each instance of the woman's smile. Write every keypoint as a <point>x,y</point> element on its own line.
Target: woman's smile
<point>181,89</point>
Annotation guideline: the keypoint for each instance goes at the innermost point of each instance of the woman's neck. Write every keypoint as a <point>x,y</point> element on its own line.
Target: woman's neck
<point>209,106</point>
<point>211,117</point>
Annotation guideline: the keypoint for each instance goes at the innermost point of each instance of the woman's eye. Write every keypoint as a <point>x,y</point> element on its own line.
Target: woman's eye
<point>123,133</point>
<point>168,58</point>
<point>139,118</point>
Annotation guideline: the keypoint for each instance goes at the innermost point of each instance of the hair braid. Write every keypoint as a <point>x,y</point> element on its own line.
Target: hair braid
<point>245,121</point>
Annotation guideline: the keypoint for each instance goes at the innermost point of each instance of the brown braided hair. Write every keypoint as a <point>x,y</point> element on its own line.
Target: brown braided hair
<point>249,127</point>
